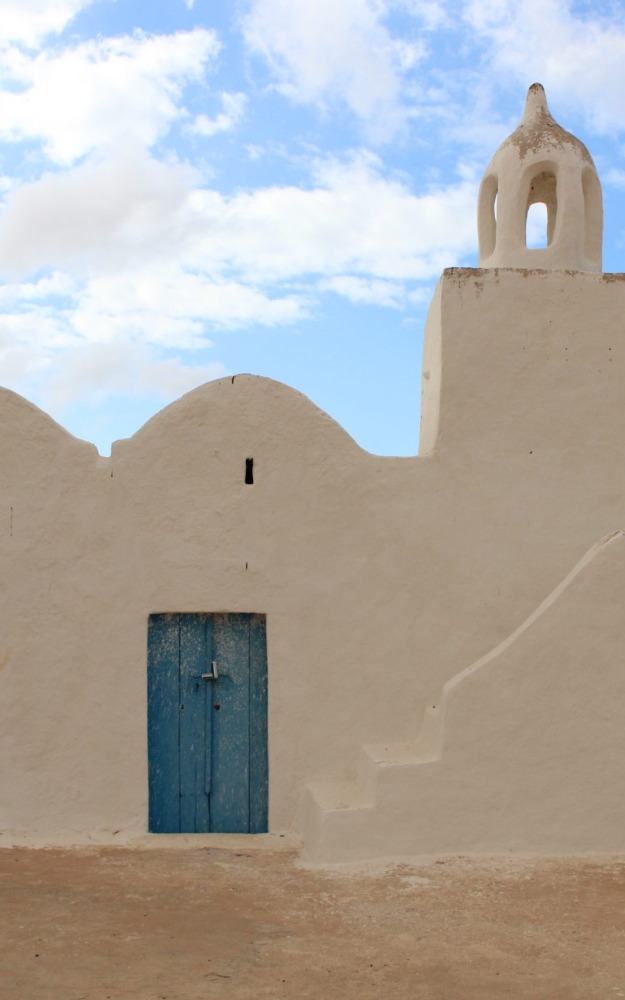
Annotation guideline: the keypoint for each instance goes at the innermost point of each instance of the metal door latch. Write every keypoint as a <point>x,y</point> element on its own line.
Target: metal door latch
<point>213,676</point>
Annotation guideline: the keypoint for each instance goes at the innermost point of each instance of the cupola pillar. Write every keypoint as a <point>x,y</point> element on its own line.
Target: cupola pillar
<point>541,162</point>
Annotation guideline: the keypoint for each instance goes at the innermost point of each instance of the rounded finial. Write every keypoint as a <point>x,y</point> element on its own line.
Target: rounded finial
<point>535,104</point>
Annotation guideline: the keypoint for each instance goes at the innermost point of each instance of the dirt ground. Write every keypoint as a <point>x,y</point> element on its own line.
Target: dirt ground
<point>124,924</point>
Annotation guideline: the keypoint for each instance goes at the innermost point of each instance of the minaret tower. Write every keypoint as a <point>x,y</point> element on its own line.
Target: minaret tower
<point>541,162</point>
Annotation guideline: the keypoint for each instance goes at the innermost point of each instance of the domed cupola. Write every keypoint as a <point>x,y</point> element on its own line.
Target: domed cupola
<point>541,162</point>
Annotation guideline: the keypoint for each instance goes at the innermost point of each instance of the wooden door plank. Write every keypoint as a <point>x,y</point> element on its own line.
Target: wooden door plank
<point>259,765</point>
<point>194,816</point>
<point>208,711</point>
<point>163,725</point>
<point>231,720</point>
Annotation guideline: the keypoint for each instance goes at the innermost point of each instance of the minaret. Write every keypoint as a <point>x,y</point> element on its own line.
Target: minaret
<point>541,162</point>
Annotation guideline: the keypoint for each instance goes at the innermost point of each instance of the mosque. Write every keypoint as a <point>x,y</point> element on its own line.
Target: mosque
<point>241,622</point>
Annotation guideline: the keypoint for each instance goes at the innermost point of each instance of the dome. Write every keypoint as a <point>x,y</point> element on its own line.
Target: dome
<point>541,162</point>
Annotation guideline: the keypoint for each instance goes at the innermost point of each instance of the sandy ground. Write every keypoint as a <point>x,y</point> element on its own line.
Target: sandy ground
<point>120,924</point>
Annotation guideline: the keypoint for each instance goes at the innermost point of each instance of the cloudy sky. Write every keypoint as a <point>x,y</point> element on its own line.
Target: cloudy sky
<point>193,188</point>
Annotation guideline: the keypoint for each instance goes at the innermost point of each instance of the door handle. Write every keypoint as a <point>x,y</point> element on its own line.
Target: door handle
<point>213,676</point>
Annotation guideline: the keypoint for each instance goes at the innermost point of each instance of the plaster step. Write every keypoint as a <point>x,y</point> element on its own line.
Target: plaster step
<point>526,767</point>
<point>340,815</point>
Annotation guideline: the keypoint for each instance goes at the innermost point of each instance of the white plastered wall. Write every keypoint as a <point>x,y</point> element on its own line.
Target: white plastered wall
<point>524,752</point>
<point>381,578</point>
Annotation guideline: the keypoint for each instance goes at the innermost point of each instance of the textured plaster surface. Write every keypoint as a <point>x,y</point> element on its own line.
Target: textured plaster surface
<point>381,578</point>
<point>538,130</point>
<point>525,751</point>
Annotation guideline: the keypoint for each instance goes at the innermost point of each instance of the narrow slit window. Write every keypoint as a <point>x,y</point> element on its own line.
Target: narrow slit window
<point>249,471</point>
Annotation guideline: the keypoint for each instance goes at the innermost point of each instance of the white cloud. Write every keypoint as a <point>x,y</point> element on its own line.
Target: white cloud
<point>103,92</point>
<point>364,291</point>
<point>38,329</point>
<point>431,13</point>
<point>20,366</point>
<point>122,215</point>
<point>324,50</point>
<point>107,337</point>
<point>233,108</point>
<point>130,251</point>
<point>161,305</point>
<point>29,21</point>
<point>353,220</point>
<point>58,284</point>
<point>580,59</point>
<point>615,177</point>
<point>100,212</point>
<point>123,368</point>
<point>167,305</point>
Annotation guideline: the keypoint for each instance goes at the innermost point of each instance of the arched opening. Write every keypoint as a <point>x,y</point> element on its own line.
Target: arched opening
<point>541,211</point>
<point>536,226</point>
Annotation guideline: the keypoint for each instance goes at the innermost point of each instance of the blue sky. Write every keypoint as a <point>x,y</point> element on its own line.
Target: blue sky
<point>194,189</point>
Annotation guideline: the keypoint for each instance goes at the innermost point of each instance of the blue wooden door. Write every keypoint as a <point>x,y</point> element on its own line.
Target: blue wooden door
<point>207,723</point>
